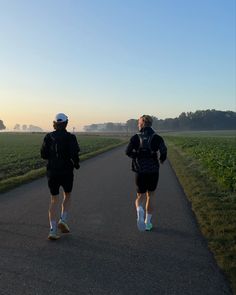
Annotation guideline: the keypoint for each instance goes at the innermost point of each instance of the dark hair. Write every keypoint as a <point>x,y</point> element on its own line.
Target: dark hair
<point>60,125</point>
<point>147,120</point>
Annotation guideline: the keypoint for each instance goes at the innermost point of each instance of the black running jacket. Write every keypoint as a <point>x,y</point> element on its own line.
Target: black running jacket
<point>61,149</point>
<point>157,146</point>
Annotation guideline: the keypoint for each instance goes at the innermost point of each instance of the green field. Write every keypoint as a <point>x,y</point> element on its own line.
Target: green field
<point>216,155</point>
<point>20,155</point>
<point>205,164</point>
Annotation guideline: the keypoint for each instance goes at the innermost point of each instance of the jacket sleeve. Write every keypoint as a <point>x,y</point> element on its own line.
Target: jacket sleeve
<point>131,150</point>
<point>44,151</point>
<point>74,151</point>
<point>163,150</point>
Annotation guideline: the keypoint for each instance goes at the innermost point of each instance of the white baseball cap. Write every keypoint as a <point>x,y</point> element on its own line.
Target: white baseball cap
<point>61,118</point>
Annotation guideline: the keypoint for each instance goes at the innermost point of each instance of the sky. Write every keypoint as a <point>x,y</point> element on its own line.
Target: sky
<point>112,60</point>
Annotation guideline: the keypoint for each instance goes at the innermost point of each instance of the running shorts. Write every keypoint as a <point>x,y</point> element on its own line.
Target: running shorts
<point>146,182</point>
<point>55,181</point>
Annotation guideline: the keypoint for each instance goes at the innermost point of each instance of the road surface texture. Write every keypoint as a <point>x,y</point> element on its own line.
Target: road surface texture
<point>105,253</point>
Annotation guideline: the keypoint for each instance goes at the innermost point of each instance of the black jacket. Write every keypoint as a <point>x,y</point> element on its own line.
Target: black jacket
<point>61,149</point>
<point>157,145</point>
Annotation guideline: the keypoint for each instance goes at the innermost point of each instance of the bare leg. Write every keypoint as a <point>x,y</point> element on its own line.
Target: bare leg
<point>52,211</point>
<point>52,214</point>
<point>149,209</point>
<point>140,211</point>
<point>140,200</point>
<point>65,205</point>
<point>53,207</point>
<point>149,202</point>
<point>62,225</point>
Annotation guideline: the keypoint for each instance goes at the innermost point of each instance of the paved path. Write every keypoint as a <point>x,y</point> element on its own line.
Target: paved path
<point>105,254</point>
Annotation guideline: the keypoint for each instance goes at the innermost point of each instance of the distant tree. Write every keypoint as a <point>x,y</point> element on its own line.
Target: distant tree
<point>24,127</point>
<point>2,126</point>
<point>170,124</point>
<point>91,128</point>
<point>132,125</point>
<point>121,127</point>
<point>17,127</point>
<point>110,126</point>
<point>183,121</point>
<point>106,127</point>
<point>33,128</point>
<point>155,123</point>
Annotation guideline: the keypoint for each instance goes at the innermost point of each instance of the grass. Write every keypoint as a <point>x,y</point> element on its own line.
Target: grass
<point>20,160</point>
<point>207,133</point>
<point>213,202</point>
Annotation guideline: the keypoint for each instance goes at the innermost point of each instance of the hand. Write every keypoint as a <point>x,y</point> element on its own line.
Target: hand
<point>77,165</point>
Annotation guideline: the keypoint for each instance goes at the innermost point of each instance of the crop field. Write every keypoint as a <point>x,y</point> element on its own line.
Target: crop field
<point>205,165</point>
<point>217,155</point>
<point>20,154</point>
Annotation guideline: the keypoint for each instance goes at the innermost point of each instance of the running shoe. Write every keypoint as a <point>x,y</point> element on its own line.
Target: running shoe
<point>149,226</point>
<point>140,221</point>
<point>63,227</point>
<point>53,235</point>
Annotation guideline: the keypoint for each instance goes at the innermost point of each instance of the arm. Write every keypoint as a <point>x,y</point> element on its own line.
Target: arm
<point>163,150</point>
<point>131,150</point>
<point>158,144</point>
<point>74,151</point>
<point>44,149</point>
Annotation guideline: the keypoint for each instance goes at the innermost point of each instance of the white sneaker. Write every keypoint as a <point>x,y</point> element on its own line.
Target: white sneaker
<point>140,220</point>
<point>63,226</point>
<point>53,235</point>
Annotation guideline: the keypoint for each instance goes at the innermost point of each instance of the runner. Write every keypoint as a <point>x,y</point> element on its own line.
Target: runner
<point>61,150</point>
<point>144,148</point>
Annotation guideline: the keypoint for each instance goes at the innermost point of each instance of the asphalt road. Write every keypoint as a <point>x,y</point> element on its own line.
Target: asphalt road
<point>105,253</point>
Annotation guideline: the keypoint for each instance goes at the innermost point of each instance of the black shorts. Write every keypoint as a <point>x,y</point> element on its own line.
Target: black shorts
<point>146,182</point>
<point>55,181</point>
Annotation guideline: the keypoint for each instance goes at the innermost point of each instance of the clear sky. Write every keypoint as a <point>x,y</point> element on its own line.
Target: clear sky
<point>112,60</point>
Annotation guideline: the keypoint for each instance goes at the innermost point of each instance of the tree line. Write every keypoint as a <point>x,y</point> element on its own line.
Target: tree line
<point>18,127</point>
<point>25,127</point>
<point>199,120</point>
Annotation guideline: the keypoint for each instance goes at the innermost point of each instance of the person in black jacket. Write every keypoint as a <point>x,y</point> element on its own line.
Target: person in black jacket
<point>61,150</point>
<point>146,149</point>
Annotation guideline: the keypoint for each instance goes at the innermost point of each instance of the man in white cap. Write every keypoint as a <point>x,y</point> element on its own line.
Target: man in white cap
<point>61,149</point>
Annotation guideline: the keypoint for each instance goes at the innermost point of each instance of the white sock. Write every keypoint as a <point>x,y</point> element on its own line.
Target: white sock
<point>139,209</point>
<point>148,218</point>
<point>53,225</point>
<point>64,216</point>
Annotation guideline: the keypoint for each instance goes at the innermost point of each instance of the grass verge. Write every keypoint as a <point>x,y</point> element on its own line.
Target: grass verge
<point>214,208</point>
<point>15,181</point>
